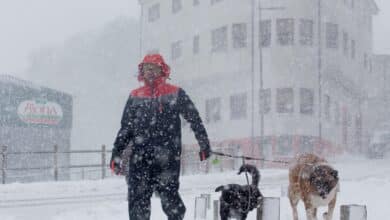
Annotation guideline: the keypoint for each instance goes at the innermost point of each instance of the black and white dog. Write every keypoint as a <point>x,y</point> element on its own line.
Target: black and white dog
<point>236,200</point>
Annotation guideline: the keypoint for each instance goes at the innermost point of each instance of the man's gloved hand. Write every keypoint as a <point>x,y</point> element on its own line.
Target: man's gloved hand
<point>115,165</point>
<point>204,154</point>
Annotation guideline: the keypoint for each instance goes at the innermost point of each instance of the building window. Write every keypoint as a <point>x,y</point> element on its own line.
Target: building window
<point>370,65</point>
<point>176,6</point>
<point>365,60</point>
<point>306,32</point>
<point>215,1</point>
<point>195,2</point>
<point>285,145</point>
<point>176,50</point>
<point>337,114</point>
<point>219,39</point>
<point>265,33</point>
<point>327,107</point>
<point>265,101</point>
<point>195,44</point>
<point>345,43</point>
<point>213,110</point>
<point>239,34</point>
<point>359,130</point>
<point>307,144</point>
<point>238,105</point>
<point>332,36</point>
<point>353,49</point>
<point>154,12</point>
<point>285,100</point>
<point>285,31</point>
<point>307,101</point>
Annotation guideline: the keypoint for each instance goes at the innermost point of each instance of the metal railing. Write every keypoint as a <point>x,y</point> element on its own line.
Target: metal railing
<point>55,166</point>
<point>57,162</point>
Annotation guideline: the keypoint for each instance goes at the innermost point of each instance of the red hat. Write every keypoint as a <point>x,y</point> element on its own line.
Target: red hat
<point>155,59</point>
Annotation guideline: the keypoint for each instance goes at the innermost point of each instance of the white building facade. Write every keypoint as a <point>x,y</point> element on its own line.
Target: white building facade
<point>258,70</point>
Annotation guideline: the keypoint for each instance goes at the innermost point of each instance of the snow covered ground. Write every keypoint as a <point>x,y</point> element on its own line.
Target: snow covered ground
<point>365,182</point>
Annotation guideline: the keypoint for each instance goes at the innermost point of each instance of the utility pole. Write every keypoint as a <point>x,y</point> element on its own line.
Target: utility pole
<point>261,80</point>
<point>252,75</point>
<point>141,20</point>
<point>319,72</point>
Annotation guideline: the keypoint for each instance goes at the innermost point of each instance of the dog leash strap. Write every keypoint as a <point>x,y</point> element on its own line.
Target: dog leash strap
<point>247,158</point>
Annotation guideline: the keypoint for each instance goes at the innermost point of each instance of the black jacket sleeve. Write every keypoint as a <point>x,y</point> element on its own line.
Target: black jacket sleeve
<point>125,133</point>
<point>191,114</point>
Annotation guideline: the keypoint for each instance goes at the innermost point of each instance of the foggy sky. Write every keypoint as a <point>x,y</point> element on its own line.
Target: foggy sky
<point>30,24</point>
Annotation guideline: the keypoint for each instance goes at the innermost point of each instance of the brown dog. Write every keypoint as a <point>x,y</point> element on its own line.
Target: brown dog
<point>314,181</point>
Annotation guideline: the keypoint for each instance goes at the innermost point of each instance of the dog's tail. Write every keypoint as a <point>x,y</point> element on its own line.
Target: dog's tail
<point>219,188</point>
<point>253,171</point>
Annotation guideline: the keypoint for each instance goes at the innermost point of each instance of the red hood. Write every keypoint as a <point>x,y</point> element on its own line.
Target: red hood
<point>156,59</point>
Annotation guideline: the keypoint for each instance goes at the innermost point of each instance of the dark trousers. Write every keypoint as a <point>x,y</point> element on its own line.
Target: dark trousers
<point>159,171</point>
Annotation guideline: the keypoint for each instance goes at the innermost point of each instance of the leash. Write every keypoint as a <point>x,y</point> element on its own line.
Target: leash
<point>248,158</point>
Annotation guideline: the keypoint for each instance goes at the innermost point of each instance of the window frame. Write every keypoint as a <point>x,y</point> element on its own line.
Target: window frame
<point>238,106</point>
<point>210,104</point>
<point>332,35</point>
<point>265,101</point>
<point>265,33</point>
<point>282,104</point>
<point>345,43</point>
<point>285,30</point>
<point>154,9</point>
<point>177,6</point>
<point>306,32</point>
<point>176,50</point>
<point>239,35</point>
<point>306,94</point>
<point>218,45</point>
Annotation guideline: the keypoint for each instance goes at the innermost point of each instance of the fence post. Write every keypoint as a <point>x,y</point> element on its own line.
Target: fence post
<point>55,161</point>
<point>270,209</point>
<point>200,208</point>
<point>353,212</point>
<point>216,209</point>
<point>4,163</point>
<point>208,199</point>
<point>103,161</point>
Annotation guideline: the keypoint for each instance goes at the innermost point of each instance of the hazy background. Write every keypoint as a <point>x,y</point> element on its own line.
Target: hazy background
<point>382,28</point>
<point>29,24</point>
<point>89,48</point>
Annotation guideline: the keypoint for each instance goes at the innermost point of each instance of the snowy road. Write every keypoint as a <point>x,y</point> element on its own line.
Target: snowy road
<point>363,182</point>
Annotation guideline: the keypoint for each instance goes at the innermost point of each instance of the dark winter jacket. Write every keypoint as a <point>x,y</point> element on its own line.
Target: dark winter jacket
<point>151,118</point>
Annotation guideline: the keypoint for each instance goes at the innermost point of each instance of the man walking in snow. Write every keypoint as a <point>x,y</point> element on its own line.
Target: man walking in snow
<point>151,128</point>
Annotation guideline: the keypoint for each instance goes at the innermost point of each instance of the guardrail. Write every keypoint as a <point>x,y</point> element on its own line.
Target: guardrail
<point>4,155</point>
<point>53,161</point>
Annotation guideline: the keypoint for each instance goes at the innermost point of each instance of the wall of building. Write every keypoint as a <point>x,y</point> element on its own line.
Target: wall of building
<point>222,74</point>
<point>33,119</point>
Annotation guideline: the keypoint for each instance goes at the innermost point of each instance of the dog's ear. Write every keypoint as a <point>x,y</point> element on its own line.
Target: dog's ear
<point>219,188</point>
<point>335,174</point>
